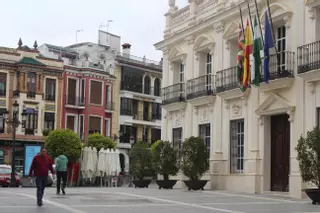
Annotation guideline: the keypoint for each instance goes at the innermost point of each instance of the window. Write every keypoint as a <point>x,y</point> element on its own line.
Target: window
<point>205,134</point>
<point>71,122</point>
<point>94,125</point>
<point>72,91</point>
<point>131,79</point>
<point>108,127</point>
<point>281,47</point>
<point>237,146</point>
<point>155,135</point>
<point>177,142</point>
<point>50,89</point>
<point>3,84</point>
<point>156,111</point>
<point>157,87</point>
<point>31,82</point>
<point>82,90</point>
<point>181,79</point>
<point>108,98</point>
<point>128,106</point>
<point>49,118</point>
<point>2,120</point>
<point>81,127</point>
<point>31,122</point>
<point>18,80</point>
<point>96,92</point>
<point>1,156</point>
<point>126,132</point>
<point>208,72</point>
<point>146,85</point>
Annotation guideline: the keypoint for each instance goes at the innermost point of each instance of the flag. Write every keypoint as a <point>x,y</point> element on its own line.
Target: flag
<point>240,56</point>
<point>257,47</point>
<point>246,63</point>
<point>268,43</point>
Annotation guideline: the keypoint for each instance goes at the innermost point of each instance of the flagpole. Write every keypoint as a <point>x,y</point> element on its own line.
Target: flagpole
<point>250,16</point>
<point>244,35</point>
<point>255,1</point>
<point>271,22</point>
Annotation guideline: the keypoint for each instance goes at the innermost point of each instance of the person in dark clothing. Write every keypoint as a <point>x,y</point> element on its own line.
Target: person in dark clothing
<point>41,164</point>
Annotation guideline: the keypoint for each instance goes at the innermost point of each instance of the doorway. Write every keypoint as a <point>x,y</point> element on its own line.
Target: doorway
<point>280,153</point>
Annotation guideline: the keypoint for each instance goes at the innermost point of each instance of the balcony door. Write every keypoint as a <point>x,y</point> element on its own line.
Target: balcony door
<point>31,122</point>
<point>281,47</point>
<point>209,72</point>
<point>72,91</point>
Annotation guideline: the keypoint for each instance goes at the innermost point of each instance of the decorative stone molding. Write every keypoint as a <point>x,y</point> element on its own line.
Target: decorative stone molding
<point>311,87</point>
<point>226,104</point>
<point>227,44</point>
<point>287,20</point>
<point>196,110</point>
<point>218,27</point>
<point>290,112</point>
<point>168,116</point>
<point>197,56</point>
<point>190,40</point>
<point>183,60</point>
<point>260,120</point>
<point>245,100</point>
<point>211,48</point>
<point>204,114</point>
<point>166,51</point>
<point>182,113</point>
<point>210,108</point>
<point>236,110</point>
<point>312,13</point>
<point>171,65</point>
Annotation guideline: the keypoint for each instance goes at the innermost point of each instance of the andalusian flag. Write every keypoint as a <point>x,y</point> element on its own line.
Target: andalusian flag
<point>240,55</point>
<point>247,52</point>
<point>257,47</point>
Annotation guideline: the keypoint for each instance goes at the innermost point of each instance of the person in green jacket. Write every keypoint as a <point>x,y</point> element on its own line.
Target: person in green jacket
<point>61,170</point>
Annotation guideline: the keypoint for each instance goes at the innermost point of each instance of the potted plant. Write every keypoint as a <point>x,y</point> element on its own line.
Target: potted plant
<point>308,149</point>
<point>164,161</point>
<point>140,165</point>
<point>194,162</point>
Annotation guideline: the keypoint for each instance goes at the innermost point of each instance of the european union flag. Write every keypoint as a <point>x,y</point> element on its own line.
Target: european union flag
<point>268,43</point>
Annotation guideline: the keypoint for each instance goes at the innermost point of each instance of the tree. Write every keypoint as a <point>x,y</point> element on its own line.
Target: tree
<point>100,141</point>
<point>194,158</point>
<point>140,163</point>
<point>63,141</point>
<point>164,159</point>
<point>308,149</point>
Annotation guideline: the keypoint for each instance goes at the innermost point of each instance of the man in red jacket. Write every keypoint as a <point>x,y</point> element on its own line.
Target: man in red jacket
<point>41,164</point>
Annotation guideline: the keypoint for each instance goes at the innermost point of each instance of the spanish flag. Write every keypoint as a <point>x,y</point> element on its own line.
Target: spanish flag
<point>247,52</point>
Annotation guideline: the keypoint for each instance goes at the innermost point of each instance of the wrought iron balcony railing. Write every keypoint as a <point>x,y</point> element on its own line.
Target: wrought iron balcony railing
<point>50,97</point>
<point>126,58</point>
<point>110,106</point>
<point>201,86</point>
<point>16,93</point>
<point>227,80</point>
<point>308,57</point>
<point>75,101</point>
<point>142,116</point>
<point>173,93</point>
<point>31,94</point>
<point>281,65</point>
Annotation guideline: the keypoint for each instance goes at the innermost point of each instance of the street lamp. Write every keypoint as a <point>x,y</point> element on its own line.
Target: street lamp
<point>14,122</point>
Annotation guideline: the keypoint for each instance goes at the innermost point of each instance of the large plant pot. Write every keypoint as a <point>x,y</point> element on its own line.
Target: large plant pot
<point>166,184</point>
<point>195,184</point>
<point>141,183</point>
<point>314,195</point>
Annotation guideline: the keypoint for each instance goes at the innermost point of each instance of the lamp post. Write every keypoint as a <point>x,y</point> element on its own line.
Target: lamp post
<point>14,122</point>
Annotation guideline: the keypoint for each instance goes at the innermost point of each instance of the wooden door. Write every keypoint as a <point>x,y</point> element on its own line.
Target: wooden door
<point>280,152</point>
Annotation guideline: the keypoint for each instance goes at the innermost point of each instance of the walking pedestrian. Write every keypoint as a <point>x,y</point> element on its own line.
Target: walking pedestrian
<point>41,164</point>
<point>61,170</point>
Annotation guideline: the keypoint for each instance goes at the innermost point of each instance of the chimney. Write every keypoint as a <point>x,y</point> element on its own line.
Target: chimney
<point>126,49</point>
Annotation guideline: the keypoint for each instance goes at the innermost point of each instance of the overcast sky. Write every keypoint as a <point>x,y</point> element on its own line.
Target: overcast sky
<point>139,22</point>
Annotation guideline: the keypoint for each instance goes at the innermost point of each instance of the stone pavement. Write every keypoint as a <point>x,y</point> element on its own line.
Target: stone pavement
<point>130,200</point>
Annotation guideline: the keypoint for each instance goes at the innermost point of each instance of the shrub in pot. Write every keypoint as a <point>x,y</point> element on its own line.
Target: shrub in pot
<point>308,149</point>
<point>194,162</point>
<point>140,164</point>
<point>164,161</point>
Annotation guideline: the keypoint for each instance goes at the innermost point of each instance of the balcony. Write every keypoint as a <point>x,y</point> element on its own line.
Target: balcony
<point>227,83</point>
<point>201,90</point>
<point>142,116</point>
<point>309,61</point>
<point>110,106</point>
<point>73,101</point>
<point>50,97</point>
<point>174,93</point>
<point>281,69</point>
<point>3,93</point>
<point>31,94</point>
<point>138,61</point>
<point>29,131</point>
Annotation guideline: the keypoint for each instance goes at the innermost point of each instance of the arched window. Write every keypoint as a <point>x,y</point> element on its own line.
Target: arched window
<point>146,85</point>
<point>1,156</point>
<point>157,87</point>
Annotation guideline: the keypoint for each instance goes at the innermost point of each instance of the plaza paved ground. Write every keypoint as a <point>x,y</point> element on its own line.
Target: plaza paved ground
<point>130,200</point>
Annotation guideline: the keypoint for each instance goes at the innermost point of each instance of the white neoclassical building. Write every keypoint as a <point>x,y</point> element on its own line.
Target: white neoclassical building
<point>251,136</point>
